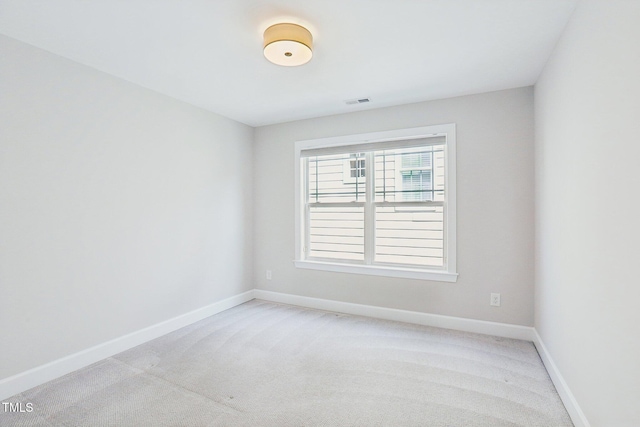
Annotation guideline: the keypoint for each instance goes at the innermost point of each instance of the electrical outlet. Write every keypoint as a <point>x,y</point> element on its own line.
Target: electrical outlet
<point>268,274</point>
<point>495,300</point>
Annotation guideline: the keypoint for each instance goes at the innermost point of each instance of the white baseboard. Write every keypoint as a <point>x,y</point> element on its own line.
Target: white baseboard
<point>449,322</point>
<point>33,377</point>
<point>575,412</point>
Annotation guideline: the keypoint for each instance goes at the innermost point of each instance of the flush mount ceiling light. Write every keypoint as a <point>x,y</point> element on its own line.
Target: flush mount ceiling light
<point>288,44</point>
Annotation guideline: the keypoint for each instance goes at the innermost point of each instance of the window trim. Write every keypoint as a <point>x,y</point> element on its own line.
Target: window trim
<point>446,275</point>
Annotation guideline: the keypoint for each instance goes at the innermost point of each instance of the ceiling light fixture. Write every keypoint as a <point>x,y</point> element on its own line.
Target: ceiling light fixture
<point>288,44</point>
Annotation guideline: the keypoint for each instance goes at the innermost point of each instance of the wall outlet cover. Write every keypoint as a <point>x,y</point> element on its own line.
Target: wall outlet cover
<point>495,300</point>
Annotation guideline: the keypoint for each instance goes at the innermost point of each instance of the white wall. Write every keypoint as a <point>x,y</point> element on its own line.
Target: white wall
<point>587,105</point>
<point>119,207</point>
<point>495,209</point>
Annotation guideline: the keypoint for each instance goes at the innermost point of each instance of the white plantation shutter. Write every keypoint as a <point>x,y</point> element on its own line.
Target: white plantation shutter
<point>396,219</point>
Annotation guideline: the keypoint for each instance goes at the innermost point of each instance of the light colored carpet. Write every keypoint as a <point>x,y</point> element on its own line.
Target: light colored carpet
<point>266,364</point>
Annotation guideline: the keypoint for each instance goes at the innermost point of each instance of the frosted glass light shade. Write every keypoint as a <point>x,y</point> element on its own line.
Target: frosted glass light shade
<point>288,45</point>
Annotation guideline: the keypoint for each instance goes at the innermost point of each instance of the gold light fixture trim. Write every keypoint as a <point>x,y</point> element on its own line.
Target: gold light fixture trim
<point>288,44</point>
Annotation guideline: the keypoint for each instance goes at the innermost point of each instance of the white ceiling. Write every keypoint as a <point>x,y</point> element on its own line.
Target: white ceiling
<point>209,52</point>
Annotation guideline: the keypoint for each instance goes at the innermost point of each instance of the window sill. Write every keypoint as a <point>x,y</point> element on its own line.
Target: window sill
<point>376,270</point>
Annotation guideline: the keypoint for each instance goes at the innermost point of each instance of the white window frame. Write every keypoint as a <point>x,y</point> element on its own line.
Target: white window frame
<point>446,274</point>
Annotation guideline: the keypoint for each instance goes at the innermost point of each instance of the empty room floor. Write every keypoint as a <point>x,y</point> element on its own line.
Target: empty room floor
<point>267,364</point>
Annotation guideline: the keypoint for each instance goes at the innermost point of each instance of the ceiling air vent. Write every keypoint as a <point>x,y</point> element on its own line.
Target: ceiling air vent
<point>357,101</point>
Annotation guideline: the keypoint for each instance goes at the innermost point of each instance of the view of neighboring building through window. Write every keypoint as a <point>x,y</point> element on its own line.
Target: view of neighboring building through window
<point>376,203</point>
<point>417,175</point>
<point>354,167</point>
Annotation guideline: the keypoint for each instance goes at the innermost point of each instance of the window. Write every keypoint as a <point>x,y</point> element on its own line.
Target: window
<point>353,167</point>
<point>381,204</point>
<point>415,173</point>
